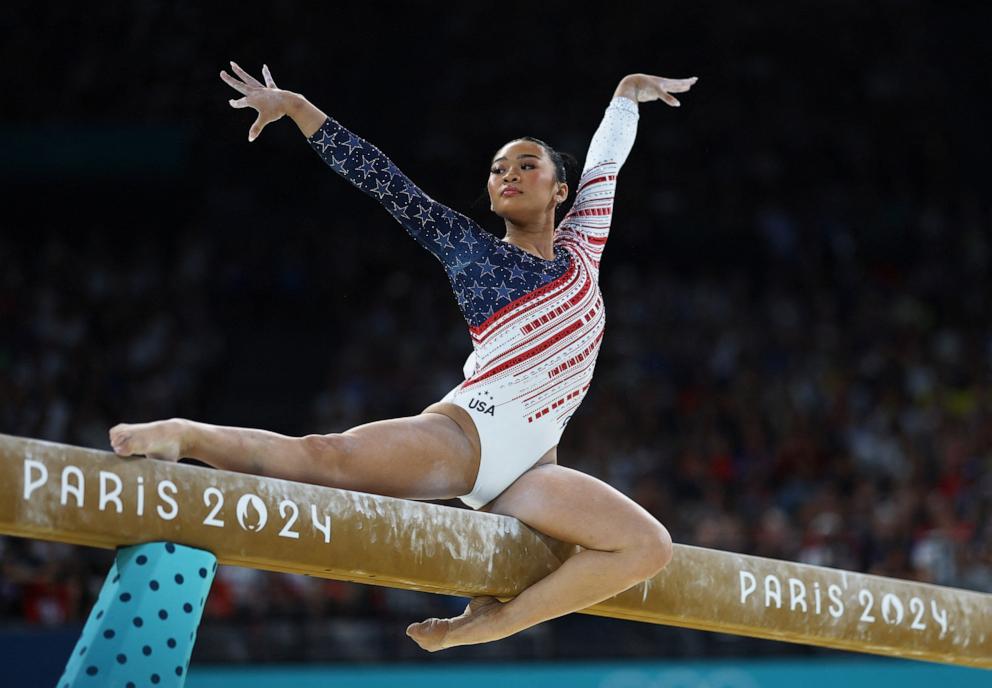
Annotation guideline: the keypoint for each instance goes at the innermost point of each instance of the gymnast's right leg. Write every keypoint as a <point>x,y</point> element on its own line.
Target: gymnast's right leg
<point>427,456</point>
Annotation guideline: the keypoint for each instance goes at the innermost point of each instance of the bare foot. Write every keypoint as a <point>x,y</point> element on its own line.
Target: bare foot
<point>162,439</point>
<point>467,629</point>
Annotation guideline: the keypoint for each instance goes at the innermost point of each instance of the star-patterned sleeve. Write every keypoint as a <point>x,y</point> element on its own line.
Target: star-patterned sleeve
<point>587,223</point>
<point>447,234</point>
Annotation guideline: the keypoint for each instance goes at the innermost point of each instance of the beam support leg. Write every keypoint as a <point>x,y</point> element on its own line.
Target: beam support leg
<point>141,630</point>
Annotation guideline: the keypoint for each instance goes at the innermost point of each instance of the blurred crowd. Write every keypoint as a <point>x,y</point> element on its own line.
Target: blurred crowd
<point>797,361</point>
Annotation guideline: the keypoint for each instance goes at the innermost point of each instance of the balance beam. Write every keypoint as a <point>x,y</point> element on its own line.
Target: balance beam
<point>83,496</point>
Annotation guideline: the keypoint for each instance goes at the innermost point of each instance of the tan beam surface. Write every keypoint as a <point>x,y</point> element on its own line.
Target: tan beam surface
<point>82,496</point>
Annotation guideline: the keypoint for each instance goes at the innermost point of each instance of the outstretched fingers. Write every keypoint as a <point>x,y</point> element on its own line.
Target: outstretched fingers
<point>659,87</point>
<point>678,85</point>
<point>256,95</point>
<point>248,78</point>
<point>268,77</point>
<point>234,83</point>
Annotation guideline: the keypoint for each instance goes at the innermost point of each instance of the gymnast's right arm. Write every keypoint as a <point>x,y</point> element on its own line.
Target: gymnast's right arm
<point>433,225</point>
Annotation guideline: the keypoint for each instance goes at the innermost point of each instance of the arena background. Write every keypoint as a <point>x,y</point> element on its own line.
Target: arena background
<point>798,351</point>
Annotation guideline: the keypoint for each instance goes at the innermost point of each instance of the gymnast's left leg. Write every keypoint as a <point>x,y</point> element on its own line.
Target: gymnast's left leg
<point>623,545</point>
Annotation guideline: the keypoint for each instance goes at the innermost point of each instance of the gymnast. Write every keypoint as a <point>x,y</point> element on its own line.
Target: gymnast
<point>536,318</point>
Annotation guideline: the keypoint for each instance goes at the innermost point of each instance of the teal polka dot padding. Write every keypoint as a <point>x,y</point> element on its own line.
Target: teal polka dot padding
<point>141,630</point>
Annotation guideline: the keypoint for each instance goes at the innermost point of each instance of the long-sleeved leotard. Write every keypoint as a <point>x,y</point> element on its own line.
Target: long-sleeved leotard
<point>536,325</point>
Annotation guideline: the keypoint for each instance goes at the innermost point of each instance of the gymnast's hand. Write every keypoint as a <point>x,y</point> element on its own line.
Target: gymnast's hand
<point>271,102</point>
<point>645,87</point>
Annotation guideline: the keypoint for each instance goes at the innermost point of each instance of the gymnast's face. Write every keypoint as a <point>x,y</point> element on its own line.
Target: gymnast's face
<point>525,166</point>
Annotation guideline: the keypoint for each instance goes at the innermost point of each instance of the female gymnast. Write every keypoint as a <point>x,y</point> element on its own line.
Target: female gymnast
<point>535,314</point>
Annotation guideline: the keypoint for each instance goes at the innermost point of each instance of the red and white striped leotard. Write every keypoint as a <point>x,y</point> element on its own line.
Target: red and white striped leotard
<point>533,359</point>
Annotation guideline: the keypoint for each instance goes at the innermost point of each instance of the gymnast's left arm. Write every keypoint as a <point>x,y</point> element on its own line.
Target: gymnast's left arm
<point>588,221</point>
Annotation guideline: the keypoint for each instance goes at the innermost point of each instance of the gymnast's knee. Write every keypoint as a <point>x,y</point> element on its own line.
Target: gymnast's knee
<point>652,550</point>
<point>327,456</point>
